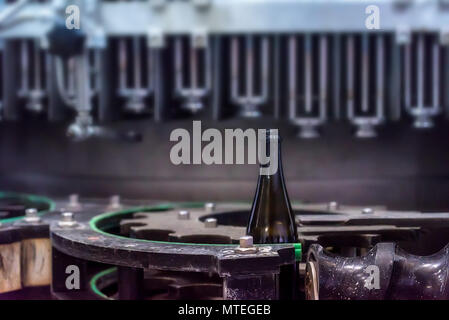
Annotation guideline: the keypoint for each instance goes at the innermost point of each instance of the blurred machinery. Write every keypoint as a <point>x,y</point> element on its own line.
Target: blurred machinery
<point>99,249</point>
<point>311,62</point>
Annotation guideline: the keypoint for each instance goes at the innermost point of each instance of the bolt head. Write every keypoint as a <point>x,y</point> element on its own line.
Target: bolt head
<point>67,216</point>
<point>246,242</point>
<point>114,202</point>
<point>367,211</point>
<point>246,246</point>
<point>67,220</point>
<point>210,223</point>
<point>209,206</point>
<point>333,206</point>
<point>31,212</point>
<point>74,203</point>
<point>31,215</point>
<point>183,215</point>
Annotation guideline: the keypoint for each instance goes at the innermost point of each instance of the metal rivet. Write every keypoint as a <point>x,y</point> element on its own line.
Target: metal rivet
<point>209,207</point>
<point>114,202</point>
<point>73,199</point>
<point>74,203</point>
<point>67,220</point>
<point>67,216</point>
<point>246,242</point>
<point>246,245</point>
<point>367,211</point>
<point>183,215</point>
<point>210,223</point>
<point>31,215</point>
<point>333,206</point>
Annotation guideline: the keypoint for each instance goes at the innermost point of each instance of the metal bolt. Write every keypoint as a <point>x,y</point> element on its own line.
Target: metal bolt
<point>183,215</point>
<point>67,216</point>
<point>74,203</point>
<point>210,223</point>
<point>209,207</point>
<point>73,198</point>
<point>246,245</point>
<point>246,242</point>
<point>67,220</point>
<point>333,206</point>
<point>31,216</point>
<point>367,211</point>
<point>114,202</point>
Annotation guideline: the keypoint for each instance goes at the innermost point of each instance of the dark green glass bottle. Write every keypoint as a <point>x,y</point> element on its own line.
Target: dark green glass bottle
<point>272,219</point>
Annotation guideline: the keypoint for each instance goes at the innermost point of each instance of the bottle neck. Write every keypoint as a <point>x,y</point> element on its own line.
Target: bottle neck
<point>274,166</point>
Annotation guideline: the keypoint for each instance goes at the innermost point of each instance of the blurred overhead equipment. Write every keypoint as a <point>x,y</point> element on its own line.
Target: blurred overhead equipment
<point>306,61</point>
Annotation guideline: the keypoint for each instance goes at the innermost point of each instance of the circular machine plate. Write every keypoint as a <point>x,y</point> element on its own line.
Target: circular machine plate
<point>176,226</point>
<point>155,238</point>
<point>316,223</point>
<point>98,238</point>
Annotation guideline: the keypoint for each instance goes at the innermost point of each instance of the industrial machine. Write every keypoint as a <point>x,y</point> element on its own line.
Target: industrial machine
<point>91,91</point>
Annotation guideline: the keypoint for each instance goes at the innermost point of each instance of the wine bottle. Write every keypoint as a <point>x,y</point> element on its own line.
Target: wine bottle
<point>272,219</point>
